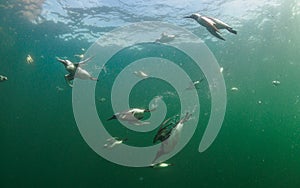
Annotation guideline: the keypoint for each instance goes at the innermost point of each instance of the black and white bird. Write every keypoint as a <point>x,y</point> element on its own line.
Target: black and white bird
<point>168,138</point>
<point>213,25</point>
<point>132,116</point>
<point>76,71</point>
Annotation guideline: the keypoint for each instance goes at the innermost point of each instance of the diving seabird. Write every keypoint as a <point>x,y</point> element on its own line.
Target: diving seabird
<point>76,71</point>
<point>213,25</point>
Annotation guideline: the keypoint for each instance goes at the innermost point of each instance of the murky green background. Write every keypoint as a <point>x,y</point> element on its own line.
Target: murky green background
<point>258,145</point>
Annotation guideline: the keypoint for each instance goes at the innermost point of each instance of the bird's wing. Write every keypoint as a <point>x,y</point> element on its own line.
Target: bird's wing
<point>85,61</point>
<point>219,23</point>
<point>211,23</point>
<point>214,33</point>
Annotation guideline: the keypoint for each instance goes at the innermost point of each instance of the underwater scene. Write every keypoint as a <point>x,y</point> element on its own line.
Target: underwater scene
<point>136,93</point>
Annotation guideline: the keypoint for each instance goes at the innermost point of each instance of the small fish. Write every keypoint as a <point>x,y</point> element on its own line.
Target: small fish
<point>161,165</point>
<point>195,84</point>
<point>102,99</point>
<point>59,89</point>
<point>276,82</point>
<point>81,56</point>
<point>29,59</point>
<point>165,38</point>
<point>234,89</point>
<point>141,74</point>
<point>112,142</point>
<point>3,78</point>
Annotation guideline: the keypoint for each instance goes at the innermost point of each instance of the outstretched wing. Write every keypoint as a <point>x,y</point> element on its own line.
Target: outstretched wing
<point>219,24</point>
<point>211,23</point>
<point>214,33</point>
<point>85,61</point>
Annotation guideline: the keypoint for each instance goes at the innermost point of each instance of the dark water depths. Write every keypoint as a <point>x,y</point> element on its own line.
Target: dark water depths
<point>258,145</point>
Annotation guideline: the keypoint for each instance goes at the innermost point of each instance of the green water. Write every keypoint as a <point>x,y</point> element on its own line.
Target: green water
<point>258,145</point>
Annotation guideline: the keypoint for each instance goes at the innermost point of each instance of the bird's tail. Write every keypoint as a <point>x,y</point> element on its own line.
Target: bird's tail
<point>112,117</point>
<point>95,79</point>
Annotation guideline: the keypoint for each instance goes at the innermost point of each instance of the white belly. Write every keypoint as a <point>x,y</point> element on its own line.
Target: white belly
<point>82,74</point>
<point>170,144</point>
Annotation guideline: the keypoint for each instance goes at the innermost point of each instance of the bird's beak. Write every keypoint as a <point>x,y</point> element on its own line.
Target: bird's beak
<point>61,60</point>
<point>187,17</point>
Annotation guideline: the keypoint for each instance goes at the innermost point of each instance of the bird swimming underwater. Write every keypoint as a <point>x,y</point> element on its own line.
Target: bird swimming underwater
<point>165,130</point>
<point>76,71</point>
<point>133,116</point>
<point>171,139</point>
<point>213,25</point>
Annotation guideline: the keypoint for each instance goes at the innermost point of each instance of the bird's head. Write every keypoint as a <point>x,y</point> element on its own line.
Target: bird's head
<point>194,16</point>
